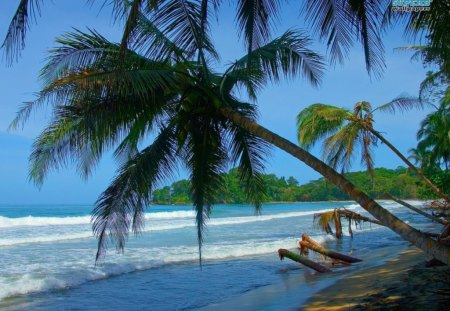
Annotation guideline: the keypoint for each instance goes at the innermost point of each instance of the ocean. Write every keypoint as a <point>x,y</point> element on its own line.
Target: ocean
<point>47,258</point>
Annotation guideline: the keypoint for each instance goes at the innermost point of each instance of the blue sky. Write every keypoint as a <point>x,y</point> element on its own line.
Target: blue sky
<point>279,104</point>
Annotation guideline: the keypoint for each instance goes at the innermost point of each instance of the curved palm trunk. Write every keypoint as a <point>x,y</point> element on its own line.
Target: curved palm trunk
<point>418,211</point>
<point>410,165</point>
<point>419,239</point>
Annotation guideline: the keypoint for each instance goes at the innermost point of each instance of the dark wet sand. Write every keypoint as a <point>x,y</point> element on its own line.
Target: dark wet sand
<point>403,283</point>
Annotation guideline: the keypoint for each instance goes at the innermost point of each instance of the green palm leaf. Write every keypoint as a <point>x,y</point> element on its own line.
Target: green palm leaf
<point>329,19</point>
<point>182,21</point>
<point>254,18</point>
<point>287,55</point>
<point>206,159</point>
<point>14,42</point>
<point>154,43</point>
<point>317,121</point>
<point>249,152</point>
<point>401,103</point>
<point>120,208</point>
<point>339,20</point>
<point>339,148</point>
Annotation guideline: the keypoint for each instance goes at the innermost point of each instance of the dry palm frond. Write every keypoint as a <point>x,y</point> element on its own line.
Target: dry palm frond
<point>323,220</point>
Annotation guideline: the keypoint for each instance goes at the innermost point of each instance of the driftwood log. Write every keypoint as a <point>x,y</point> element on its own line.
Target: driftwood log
<point>308,243</point>
<point>303,260</point>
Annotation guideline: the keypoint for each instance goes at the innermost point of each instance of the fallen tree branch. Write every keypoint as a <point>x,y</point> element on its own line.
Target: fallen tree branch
<point>301,259</point>
<point>308,243</point>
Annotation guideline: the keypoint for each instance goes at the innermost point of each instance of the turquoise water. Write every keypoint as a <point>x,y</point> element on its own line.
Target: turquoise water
<point>47,258</point>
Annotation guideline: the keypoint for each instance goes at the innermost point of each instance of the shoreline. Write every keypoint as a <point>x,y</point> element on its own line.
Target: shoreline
<point>402,283</point>
<point>288,202</point>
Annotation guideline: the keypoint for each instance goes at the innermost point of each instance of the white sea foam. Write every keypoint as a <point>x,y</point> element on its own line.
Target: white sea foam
<point>169,215</point>
<point>75,273</point>
<point>352,206</point>
<point>45,238</point>
<point>6,222</point>
<point>168,221</point>
<point>48,278</point>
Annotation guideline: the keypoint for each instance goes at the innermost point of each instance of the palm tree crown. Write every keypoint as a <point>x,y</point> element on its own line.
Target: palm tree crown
<point>344,130</point>
<point>349,130</point>
<point>161,86</point>
<point>434,136</point>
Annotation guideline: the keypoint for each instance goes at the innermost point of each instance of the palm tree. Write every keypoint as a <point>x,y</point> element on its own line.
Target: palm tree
<point>338,22</point>
<point>434,136</point>
<point>162,83</point>
<point>348,130</point>
<point>164,86</point>
<point>431,25</point>
<point>421,158</point>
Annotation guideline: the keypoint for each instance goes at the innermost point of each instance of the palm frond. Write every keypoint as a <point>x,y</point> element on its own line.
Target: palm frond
<point>153,43</point>
<point>317,121</point>
<point>329,19</point>
<point>401,104</point>
<point>419,51</point>
<point>52,148</point>
<point>368,140</point>
<point>323,221</point>
<point>433,136</point>
<point>14,42</point>
<point>181,21</point>
<point>429,84</point>
<point>340,20</point>
<point>239,77</point>
<point>82,131</point>
<point>432,23</point>
<point>206,158</point>
<point>77,50</point>
<point>366,18</point>
<point>249,152</point>
<point>255,19</point>
<point>338,149</point>
<point>287,55</point>
<point>146,84</point>
<point>121,206</point>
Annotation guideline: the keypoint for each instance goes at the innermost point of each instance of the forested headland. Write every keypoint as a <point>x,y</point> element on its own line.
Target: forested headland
<point>398,182</point>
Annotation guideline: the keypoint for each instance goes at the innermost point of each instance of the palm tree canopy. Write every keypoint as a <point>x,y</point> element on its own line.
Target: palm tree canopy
<point>162,87</point>
<point>344,131</point>
<point>339,22</point>
<point>434,137</point>
<point>431,25</point>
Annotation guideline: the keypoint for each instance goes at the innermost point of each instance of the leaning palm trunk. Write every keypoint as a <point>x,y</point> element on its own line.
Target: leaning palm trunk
<point>407,232</point>
<point>415,209</point>
<point>410,165</point>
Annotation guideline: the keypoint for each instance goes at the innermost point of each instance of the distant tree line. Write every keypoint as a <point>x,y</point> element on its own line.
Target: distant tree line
<point>398,182</point>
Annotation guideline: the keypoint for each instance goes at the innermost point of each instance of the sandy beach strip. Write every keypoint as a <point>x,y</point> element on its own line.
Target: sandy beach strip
<point>402,283</point>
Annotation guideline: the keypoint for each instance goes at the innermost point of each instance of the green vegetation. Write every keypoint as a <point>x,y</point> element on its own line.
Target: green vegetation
<point>398,182</point>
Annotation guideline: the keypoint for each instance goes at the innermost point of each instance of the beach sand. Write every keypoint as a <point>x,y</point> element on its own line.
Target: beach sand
<point>403,283</point>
